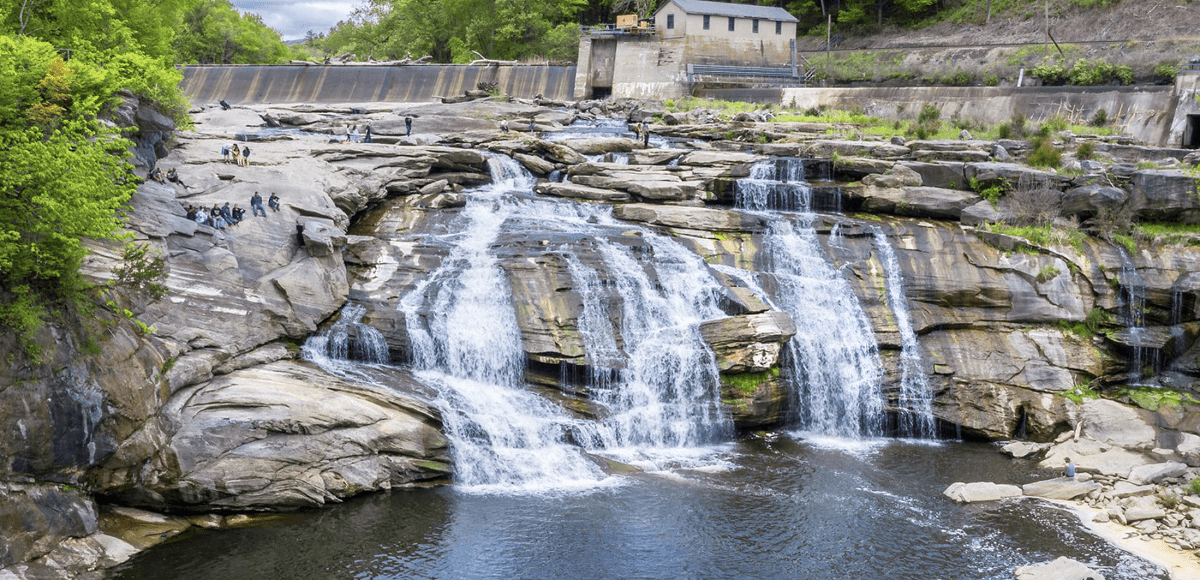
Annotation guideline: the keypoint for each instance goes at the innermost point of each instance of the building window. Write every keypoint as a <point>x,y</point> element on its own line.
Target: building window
<point>754,26</point>
<point>778,28</point>
<point>706,22</point>
<point>731,24</point>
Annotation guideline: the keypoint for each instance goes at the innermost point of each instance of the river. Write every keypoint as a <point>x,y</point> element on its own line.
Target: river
<point>772,506</point>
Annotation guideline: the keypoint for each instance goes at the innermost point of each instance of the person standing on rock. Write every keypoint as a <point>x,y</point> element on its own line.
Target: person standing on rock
<point>408,126</point>
<point>256,205</point>
<point>367,136</point>
<point>645,135</point>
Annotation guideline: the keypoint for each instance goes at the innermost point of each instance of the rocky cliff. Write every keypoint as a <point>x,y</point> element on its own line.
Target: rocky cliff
<point>211,407</point>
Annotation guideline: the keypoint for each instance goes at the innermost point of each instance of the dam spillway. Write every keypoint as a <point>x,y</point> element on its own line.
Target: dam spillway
<point>238,84</point>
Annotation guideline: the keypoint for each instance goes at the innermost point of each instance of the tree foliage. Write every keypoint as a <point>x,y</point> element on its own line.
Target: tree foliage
<point>65,177</point>
<point>213,32</point>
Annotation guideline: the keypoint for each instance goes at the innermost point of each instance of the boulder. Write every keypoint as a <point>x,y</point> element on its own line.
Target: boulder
<point>601,145</point>
<point>897,176</point>
<point>1062,568</point>
<point>278,436</point>
<point>1136,509</point>
<point>1093,456</point>
<point>35,518</point>
<point>321,238</point>
<point>748,343</point>
<point>1165,195</point>
<point>980,491</point>
<point>1156,472</point>
<point>1123,489</point>
<point>1121,425</point>
<point>577,191</point>
<point>980,212</point>
<point>534,164</point>
<point>1060,488</point>
<point>927,202</point>
<point>1019,449</point>
<point>690,218</point>
<point>1088,200</point>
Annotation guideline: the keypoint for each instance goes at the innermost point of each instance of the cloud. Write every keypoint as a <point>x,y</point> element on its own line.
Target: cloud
<point>294,18</point>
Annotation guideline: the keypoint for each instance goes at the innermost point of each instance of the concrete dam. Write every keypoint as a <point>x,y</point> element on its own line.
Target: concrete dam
<point>245,84</point>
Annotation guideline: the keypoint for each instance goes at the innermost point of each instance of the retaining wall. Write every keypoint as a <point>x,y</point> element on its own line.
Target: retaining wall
<point>369,83</point>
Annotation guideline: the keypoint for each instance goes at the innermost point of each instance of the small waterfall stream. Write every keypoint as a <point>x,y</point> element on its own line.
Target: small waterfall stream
<point>1133,302</point>
<point>916,398</point>
<point>832,362</point>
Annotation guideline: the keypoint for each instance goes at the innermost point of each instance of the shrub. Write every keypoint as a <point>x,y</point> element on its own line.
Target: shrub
<point>1164,73</point>
<point>1194,485</point>
<point>1033,202</point>
<point>1045,154</point>
<point>1047,273</point>
<point>929,112</point>
<point>1099,118</point>
<point>1051,74</point>
<point>1086,150</point>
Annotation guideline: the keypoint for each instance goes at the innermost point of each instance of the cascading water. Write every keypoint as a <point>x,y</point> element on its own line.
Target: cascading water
<point>1133,302</point>
<point>916,398</point>
<point>666,396</point>
<point>655,377</point>
<point>465,340</point>
<point>832,362</point>
<point>775,185</point>
<point>348,339</point>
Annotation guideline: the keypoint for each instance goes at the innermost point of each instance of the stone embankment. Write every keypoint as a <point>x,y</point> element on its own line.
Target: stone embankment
<point>213,408</point>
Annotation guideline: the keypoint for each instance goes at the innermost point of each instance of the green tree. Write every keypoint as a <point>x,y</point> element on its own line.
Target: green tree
<point>65,178</point>
<point>214,32</point>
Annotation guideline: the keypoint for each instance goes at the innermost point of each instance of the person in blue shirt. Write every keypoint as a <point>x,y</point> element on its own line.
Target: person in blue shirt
<point>1070,468</point>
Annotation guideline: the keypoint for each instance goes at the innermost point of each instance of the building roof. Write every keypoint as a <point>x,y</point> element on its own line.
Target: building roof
<point>735,10</point>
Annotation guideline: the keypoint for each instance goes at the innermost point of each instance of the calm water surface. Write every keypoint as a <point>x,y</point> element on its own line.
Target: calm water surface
<point>774,506</point>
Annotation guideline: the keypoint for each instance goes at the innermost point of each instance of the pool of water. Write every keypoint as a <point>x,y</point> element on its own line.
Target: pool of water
<point>768,506</point>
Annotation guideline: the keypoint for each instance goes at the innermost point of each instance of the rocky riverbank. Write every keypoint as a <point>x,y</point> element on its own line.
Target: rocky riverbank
<point>211,407</point>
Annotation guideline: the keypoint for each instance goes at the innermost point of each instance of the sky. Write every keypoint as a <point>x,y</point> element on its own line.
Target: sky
<point>293,18</point>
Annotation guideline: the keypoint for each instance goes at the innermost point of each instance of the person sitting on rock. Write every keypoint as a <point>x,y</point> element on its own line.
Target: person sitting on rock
<point>225,153</point>
<point>173,177</point>
<point>238,214</point>
<point>200,215</point>
<point>245,156</point>
<point>224,104</point>
<point>503,125</point>
<point>1070,472</point>
<point>273,202</point>
<point>156,175</point>
<point>256,205</point>
<point>215,215</point>
<point>227,213</point>
<point>191,212</point>
<point>236,155</point>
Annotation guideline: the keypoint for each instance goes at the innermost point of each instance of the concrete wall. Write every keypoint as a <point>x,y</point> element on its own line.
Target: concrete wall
<point>1146,113</point>
<point>650,68</point>
<point>1184,108</point>
<point>368,83</point>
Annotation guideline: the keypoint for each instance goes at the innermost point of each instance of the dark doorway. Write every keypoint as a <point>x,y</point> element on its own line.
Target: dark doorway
<point>1191,134</point>
<point>606,92</point>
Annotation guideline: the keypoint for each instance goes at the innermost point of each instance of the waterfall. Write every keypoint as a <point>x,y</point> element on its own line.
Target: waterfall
<point>832,363</point>
<point>667,393</point>
<point>348,339</point>
<point>916,398</point>
<point>465,341</point>
<point>1133,302</point>
<point>775,185</point>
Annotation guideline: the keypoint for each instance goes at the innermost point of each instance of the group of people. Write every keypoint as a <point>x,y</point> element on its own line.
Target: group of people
<point>239,156</point>
<point>352,135</point>
<point>218,216</point>
<point>172,176</point>
<point>223,216</point>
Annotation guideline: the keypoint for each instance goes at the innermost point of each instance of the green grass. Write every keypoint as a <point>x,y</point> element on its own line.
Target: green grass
<point>748,383</point>
<point>1153,399</point>
<point>1048,273</point>
<point>1042,235</point>
<point>1081,392</point>
<point>1168,233</point>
